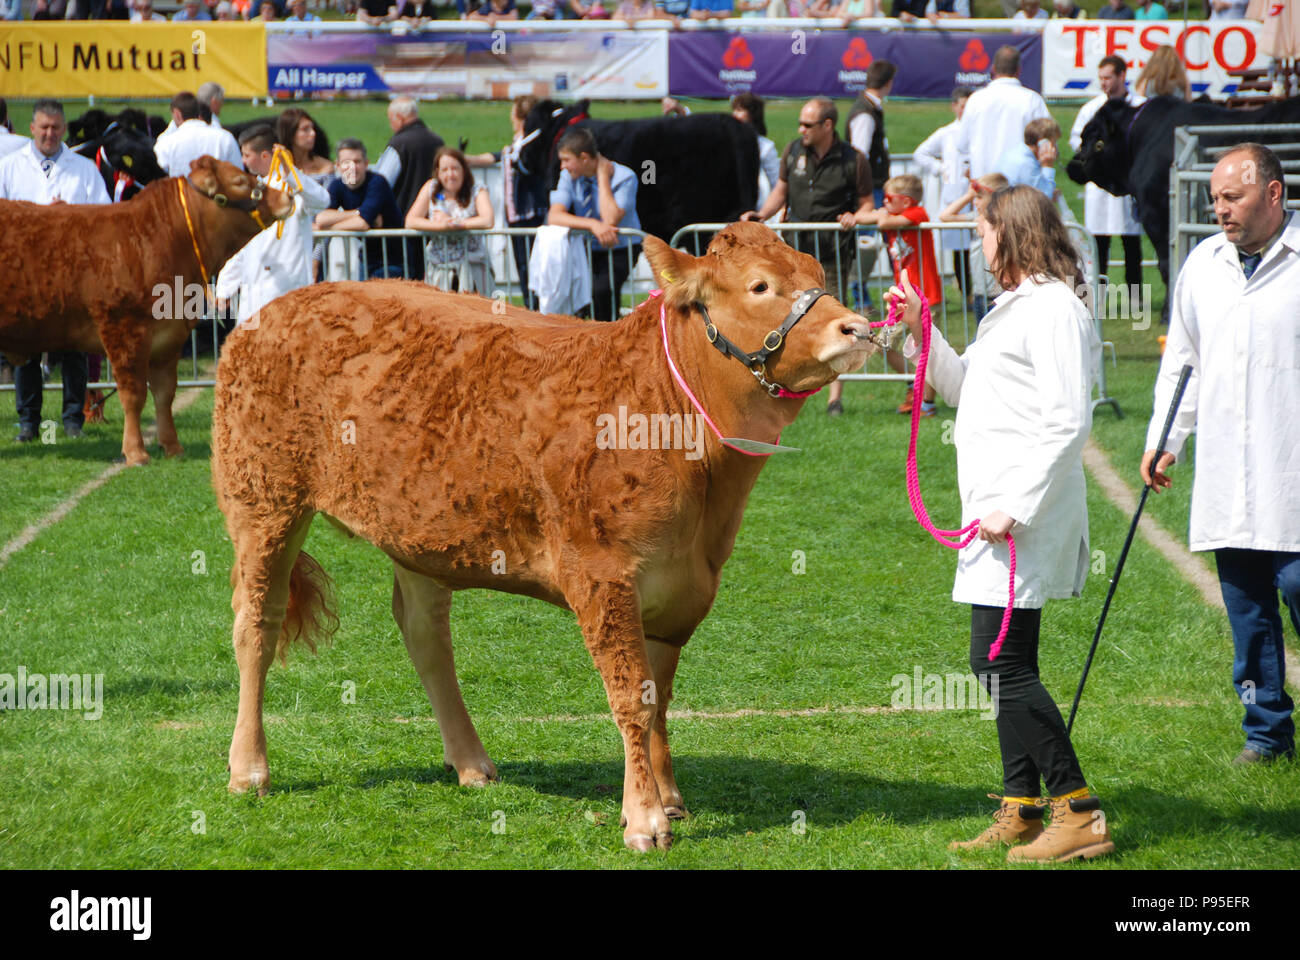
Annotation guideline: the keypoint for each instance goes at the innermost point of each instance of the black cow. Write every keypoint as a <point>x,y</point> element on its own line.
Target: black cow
<point>695,169</point>
<point>1129,150</point>
<point>121,147</point>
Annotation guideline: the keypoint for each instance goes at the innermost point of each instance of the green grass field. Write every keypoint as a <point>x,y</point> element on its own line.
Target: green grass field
<point>133,584</point>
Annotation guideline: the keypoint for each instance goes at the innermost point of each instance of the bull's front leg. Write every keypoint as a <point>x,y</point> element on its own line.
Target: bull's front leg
<point>162,384</point>
<point>610,618</point>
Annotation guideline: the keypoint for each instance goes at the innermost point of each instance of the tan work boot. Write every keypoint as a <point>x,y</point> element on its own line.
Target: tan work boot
<point>1014,822</point>
<point>1077,829</point>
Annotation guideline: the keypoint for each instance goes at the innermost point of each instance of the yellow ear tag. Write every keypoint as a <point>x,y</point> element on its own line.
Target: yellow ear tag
<point>667,277</point>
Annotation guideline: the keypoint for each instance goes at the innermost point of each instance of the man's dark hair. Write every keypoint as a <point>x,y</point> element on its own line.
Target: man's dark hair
<point>577,141</point>
<point>47,106</point>
<point>1267,166</point>
<point>351,143</point>
<point>187,104</point>
<point>880,73</point>
<point>961,93</point>
<point>1115,63</point>
<point>1006,62</point>
<point>752,104</point>
<point>826,110</point>
<point>259,139</point>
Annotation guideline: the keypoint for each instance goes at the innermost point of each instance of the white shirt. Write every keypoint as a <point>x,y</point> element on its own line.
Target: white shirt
<point>1242,338</point>
<point>72,179</point>
<point>214,122</point>
<point>9,142</point>
<point>191,140</point>
<point>863,128</point>
<point>938,156</point>
<point>996,116</point>
<point>388,166</point>
<point>1023,392</point>
<point>267,267</point>
<point>1104,213</point>
<point>769,168</point>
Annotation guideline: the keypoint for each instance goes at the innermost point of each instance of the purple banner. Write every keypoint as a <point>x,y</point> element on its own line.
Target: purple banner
<point>797,63</point>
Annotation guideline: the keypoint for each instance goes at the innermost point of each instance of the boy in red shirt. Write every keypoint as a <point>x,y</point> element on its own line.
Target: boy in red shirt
<point>911,250</point>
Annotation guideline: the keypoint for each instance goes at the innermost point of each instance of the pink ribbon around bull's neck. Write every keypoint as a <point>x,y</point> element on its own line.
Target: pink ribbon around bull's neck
<point>956,539</point>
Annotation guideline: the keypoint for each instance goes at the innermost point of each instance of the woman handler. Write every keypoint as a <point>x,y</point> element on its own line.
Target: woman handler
<point>1023,392</point>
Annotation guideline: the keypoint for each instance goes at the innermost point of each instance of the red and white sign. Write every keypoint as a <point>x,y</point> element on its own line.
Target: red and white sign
<point>1210,51</point>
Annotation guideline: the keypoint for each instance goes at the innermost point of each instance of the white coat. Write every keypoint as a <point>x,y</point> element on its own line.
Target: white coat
<point>1023,392</point>
<point>267,267</point>
<point>995,118</point>
<point>1104,214</point>
<point>1242,338</point>
<point>73,178</point>
<point>193,139</point>
<point>9,142</point>
<point>558,269</point>
<point>938,156</point>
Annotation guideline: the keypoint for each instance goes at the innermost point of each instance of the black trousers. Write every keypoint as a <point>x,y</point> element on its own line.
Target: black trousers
<point>961,267</point>
<point>609,271</point>
<point>1031,732</point>
<point>28,384</point>
<point>1132,244</point>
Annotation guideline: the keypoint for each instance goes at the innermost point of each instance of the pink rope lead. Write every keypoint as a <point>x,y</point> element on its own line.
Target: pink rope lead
<point>955,539</point>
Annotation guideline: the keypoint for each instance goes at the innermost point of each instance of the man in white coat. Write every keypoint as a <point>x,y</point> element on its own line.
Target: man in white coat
<point>1104,214</point>
<point>269,266</point>
<point>192,138</point>
<point>45,171</point>
<point>9,142</point>
<point>1236,320</point>
<point>996,114</point>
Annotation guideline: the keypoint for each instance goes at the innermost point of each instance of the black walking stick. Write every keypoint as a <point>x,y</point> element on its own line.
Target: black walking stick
<point>1128,541</point>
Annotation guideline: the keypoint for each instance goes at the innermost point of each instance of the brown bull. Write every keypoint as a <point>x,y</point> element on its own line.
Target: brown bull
<point>89,277</point>
<point>467,446</point>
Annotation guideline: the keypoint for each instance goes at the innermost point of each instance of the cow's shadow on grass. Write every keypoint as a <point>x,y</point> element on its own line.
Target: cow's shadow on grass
<point>731,796</point>
<point>92,447</point>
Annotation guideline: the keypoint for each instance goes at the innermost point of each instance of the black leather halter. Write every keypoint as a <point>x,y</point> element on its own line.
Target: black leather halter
<point>756,362</point>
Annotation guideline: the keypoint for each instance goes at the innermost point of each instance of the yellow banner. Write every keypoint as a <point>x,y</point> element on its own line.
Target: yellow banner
<point>117,58</point>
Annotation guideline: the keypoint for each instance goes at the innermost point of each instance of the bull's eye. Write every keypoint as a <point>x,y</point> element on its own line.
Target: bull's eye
<point>758,287</point>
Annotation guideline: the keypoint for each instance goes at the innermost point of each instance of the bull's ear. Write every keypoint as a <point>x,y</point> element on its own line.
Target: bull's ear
<point>684,279</point>
<point>203,174</point>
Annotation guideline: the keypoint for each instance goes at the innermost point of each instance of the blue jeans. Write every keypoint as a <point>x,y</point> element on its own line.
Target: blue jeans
<point>1250,581</point>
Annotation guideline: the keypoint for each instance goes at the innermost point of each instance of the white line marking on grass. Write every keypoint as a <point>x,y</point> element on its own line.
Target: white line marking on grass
<point>65,507</point>
<point>1171,548</point>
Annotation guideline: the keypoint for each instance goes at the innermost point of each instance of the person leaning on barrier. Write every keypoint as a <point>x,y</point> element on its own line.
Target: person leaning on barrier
<point>47,172</point>
<point>598,195</point>
<point>361,199</point>
<point>450,203</point>
<point>278,259</point>
<point>1236,319</point>
<point>822,179</point>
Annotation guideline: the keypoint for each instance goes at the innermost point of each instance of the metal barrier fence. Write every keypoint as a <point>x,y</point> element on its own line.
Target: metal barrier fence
<point>507,251</point>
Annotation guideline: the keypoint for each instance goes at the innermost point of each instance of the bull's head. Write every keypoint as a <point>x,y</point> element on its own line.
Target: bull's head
<point>745,288</point>
<point>543,127</point>
<point>229,187</point>
<point>1102,157</point>
<point>131,152</point>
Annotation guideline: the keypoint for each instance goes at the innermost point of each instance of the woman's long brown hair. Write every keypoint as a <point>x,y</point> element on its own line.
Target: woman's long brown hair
<point>467,186</point>
<point>1032,239</point>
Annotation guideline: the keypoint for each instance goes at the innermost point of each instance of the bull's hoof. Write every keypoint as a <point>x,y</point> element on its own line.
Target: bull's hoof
<point>643,843</point>
<point>173,451</point>
<point>260,782</point>
<point>139,460</point>
<point>479,774</point>
<point>677,813</point>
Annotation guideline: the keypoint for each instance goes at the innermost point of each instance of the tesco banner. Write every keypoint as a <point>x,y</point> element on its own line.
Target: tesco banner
<point>1210,51</point>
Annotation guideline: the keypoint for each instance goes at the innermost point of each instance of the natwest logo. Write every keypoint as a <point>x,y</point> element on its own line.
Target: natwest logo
<point>737,56</point>
<point>736,61</point>
<point>857,55</point>
<point>974,57</point>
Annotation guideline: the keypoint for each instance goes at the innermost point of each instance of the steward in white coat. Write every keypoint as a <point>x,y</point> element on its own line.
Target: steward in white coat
<point>191,140</point>
<point>269,266</point>
<point>1023,393</point>
<point>72,178</point>
<point>995,118</point>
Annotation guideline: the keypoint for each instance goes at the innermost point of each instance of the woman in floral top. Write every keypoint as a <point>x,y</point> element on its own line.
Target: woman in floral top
<point>451,203</point>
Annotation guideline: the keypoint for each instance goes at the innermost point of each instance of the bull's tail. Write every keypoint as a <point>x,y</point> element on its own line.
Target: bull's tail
<point>311,614</point>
